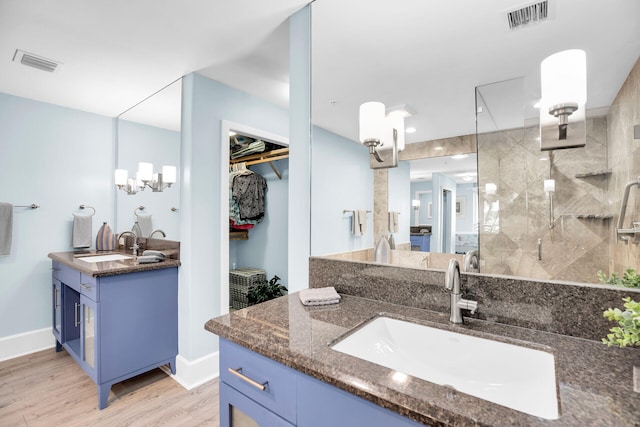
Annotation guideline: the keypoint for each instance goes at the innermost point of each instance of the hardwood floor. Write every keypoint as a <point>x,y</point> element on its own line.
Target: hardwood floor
<point>50,389</point>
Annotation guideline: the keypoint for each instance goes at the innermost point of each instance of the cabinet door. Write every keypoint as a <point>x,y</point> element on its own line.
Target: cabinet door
<point>237,410</point>
<point>89,343</point>
<point>57,310</point>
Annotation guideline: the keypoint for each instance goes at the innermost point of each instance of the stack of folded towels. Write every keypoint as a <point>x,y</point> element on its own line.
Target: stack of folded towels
<point>319,296</point>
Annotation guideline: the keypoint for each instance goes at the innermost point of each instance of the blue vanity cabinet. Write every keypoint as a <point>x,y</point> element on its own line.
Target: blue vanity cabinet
<point>255,390</point>
<point>420,242</point>
<point>119,326</point>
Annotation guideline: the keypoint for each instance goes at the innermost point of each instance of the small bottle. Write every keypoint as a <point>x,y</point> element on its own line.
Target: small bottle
<point>383,251</point>
<point>392,242</point>
<point>105,240</point>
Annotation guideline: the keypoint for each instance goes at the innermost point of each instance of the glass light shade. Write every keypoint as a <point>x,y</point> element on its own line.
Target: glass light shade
<point>132,183</point>
<point>168,174</point>
<point>490,188</point>
<point>563,78</point>
<point>371,121</point>
<point>139,182</point>
<point>415,203</point>
<point>121,176</point>
<point>549,185</point>
<point>145,171</point>
<point>390,123</point>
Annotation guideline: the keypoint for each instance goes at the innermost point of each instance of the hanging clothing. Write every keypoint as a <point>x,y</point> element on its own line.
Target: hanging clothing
<point>249,192</point>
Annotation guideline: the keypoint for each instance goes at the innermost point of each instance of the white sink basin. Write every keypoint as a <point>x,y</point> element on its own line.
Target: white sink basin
<point>510,375</point>
<point>103,258</point>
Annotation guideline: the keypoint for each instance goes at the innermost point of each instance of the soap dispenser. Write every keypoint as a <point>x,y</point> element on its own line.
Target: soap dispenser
<point>383,251</point>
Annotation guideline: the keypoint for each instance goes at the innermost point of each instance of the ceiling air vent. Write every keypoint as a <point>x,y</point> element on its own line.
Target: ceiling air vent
<point>35,61</point>
<point>533,13</point>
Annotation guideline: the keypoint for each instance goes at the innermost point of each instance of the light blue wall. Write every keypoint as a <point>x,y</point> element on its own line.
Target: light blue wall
<point>143,143</point>
<point>425,199</point>
<point>464,222</point>
<point>205,104</point>
<point>341,180</point>
<point>400,200</point>
<point>442,182</point>
<point>267,244</point>
<point>58,158</point>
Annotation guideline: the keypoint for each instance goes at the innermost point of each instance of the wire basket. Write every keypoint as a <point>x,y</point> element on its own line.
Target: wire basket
<point>240,280</point>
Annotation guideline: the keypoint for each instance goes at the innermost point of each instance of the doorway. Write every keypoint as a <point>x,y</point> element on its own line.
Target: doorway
<point>445,221</point>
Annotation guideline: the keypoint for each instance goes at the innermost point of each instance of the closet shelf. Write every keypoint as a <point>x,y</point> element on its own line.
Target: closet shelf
<point>267,156</point>
<point>238,234</point>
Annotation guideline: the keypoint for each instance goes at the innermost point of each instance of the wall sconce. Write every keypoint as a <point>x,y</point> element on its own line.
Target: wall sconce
<point>383,135</point>
<point>145,178</point>
<point>415,204</point>
<point>563,83</point>
<point>550,188</point>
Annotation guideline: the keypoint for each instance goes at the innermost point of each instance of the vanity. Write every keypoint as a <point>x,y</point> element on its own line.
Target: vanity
<point>277,362</point>
<point>117,318</point>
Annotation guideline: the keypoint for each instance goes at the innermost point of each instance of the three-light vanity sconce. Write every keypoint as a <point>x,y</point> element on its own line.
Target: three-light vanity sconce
<point>145,178</point>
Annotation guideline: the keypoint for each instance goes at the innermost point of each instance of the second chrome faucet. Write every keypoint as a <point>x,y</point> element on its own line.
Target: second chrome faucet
<point>452,283</point>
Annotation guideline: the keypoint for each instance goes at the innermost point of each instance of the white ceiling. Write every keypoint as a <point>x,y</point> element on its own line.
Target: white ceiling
<point>429,55</point>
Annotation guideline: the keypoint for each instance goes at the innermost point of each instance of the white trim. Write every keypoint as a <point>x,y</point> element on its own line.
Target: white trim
<point>191,374</point>
<point>25,343</point>
<point>225,127</point>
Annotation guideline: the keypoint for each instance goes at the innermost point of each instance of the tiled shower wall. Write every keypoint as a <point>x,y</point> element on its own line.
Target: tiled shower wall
<point>522,238</point>
<point>624,161</point>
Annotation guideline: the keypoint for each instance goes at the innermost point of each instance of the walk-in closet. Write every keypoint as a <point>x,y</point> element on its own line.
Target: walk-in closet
<point>258,215</point>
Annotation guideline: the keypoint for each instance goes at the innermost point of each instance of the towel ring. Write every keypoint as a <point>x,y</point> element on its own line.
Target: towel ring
<point>88,207</point>
<point>139,208</point>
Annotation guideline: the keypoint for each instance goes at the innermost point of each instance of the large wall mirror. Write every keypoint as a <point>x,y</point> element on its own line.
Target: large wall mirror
<point>471,100</point>
<point>150,132</point>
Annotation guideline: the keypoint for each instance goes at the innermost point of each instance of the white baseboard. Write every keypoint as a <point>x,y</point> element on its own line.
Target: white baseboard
<point>26,343</point>
<point>192,373</point>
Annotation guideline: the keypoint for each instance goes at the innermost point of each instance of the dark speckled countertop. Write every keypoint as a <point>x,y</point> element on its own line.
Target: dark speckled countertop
<point>594,381</point>
<point>109,268</point>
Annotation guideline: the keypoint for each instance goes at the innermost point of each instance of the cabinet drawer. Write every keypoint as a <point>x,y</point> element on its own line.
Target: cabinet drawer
<point>89,286</point>
<point>253,372</point>
<point>66,275</point>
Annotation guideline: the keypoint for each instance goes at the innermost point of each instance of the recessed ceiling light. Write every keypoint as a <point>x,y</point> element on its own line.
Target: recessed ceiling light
<point>410,129</point>
<point>400,110</point>
<point>438,148</point>
<point>459,156</point>
<point>537,104</point>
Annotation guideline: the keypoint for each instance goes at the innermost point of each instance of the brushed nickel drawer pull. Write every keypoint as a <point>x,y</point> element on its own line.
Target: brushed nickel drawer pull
<point>238,373</point>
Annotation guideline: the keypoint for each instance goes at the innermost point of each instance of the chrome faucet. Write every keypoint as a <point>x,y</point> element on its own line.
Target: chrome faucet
<point>157,231</point>
<point>452,283</point>
<point>135,241</point>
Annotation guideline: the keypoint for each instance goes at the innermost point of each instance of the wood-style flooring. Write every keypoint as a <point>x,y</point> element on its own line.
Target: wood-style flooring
<point>49,389</point>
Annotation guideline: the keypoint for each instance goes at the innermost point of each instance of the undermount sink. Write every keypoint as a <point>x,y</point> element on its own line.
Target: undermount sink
<point>517,377</point>
<point>103,258</point>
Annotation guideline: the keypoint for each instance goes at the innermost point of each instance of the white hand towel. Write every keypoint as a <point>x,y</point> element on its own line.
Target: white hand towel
<point>393,222</point>
<point>355,223</point>
<point>82,233</point>
<point>362,219</point>
<point>6,228</point>
<point>145,225</point>
<point>319,296</point>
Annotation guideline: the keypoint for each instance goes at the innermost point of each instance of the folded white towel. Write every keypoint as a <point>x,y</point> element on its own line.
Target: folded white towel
<point>319,296</point>
<point>355,223</point>
<point>6,228</point>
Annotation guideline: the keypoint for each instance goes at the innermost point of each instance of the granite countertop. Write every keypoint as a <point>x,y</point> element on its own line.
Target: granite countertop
<point>109,268</point>
<point>594,381</point>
